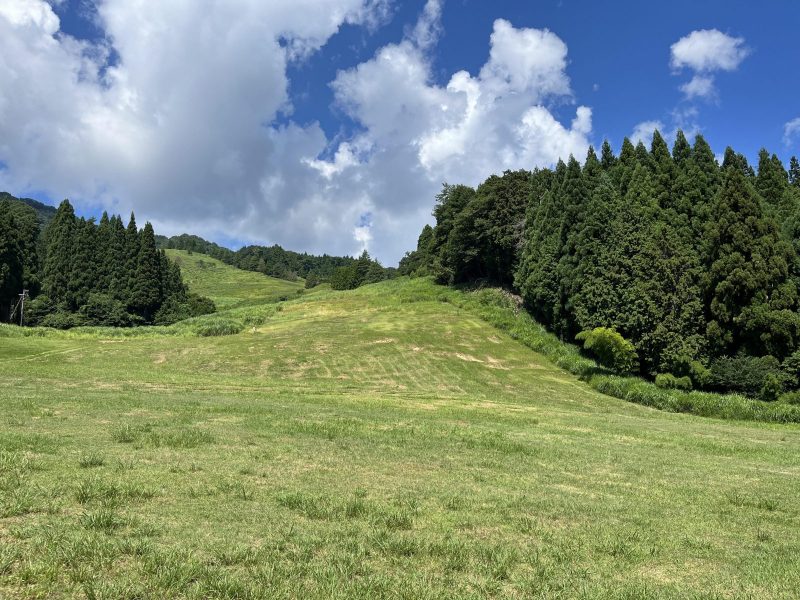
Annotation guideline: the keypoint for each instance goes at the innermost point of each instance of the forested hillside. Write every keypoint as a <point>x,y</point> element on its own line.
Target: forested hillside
<point>269,260</point>
<point>693,262</point>
<point>78,272</point>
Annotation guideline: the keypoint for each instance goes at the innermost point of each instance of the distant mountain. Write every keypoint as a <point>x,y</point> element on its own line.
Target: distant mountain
<point>44,212</point>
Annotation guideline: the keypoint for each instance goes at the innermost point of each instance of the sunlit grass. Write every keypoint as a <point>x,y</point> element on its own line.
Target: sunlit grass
<point>384,442</point>
<point>228,286</point>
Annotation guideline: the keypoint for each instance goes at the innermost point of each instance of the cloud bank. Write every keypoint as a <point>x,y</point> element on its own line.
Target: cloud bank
<point>183,113</point>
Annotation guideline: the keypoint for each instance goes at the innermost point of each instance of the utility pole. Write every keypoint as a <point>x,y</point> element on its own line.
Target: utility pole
<point>22,298</point>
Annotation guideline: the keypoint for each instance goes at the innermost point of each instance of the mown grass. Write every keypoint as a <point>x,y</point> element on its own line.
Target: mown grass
<point>386,442</point>
<point>228,286</point>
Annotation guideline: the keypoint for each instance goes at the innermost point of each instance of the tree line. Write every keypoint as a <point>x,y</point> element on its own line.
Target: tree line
<point>274,260</point>
<point>79,272</point>
<point>693,264</point>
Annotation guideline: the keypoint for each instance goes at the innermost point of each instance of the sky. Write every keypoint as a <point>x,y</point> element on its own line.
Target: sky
<point>329,126</point>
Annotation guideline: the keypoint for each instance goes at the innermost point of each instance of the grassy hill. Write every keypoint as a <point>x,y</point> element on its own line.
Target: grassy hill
<point>228,286</point>
<point>383,442</point>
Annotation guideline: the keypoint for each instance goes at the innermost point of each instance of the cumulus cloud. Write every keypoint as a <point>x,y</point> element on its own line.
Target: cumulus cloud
<point>460,132</point>
<point>183,125</point>
<point>705,51</point>
<point>791,131</point>
<point>643,132</point>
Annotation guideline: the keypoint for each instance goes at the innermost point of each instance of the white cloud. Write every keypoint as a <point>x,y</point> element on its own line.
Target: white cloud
<point>643,132</point>
<point>183,128</point>
<point>791,130</point>
<point>700,86</point>
<point>705,51</point>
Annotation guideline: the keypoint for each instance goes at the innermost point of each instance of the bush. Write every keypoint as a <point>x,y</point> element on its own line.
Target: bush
<point>345,278</point>
<point>37,309</point>
<point>790,398</point>
<point>102,309</point>
<point>772,388</point>
<point>174,310</point>
<point>791,366</point>
<point>749,375</point>
<point>61,319</point>
<point>610,348</point>
<point>312,281</point>
<point>668,381</point>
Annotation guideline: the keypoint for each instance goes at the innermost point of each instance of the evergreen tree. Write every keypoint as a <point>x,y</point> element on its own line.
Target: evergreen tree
<point>84,266</point>
<point>28,236</point>
<point>132,249</point>
<point>115,264</point>
<point>607,159</point>
<point>536,276</point>
<point>11,264</point>
<point>746,261</point>
<point>794,172</point>
<point>772,183</point>
<point>146,290</point>
<point>60,242</point>
<point>663,169</point>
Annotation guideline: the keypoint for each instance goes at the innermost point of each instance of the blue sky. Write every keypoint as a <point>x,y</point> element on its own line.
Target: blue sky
<point>329,125</point>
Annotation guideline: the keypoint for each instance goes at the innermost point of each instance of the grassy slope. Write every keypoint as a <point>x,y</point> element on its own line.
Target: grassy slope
<point>372,443</point>
<point>228,286</point>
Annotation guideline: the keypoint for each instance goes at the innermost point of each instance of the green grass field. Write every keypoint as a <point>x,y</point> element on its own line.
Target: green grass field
<point>227,286</point>
<point>378,443</point>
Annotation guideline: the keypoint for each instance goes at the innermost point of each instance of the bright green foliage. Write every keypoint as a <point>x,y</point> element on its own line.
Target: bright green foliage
<point>668,381</point>
<point>227,286</point>
<point>611,349</point>
<point>348,448</point>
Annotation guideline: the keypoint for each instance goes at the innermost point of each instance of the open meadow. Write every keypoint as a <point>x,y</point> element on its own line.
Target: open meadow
<point>378,443</point>
<point>229,287</point>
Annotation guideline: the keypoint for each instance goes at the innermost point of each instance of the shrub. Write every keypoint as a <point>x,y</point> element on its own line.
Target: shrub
<point>749,375</point>
<point>37,309</point>
<point>792,397</point>
<point>668,381</point>
<point>791,366</point>
<point>173,310</point>
<point>102,309</point>
<point>345,278</point>
<point>61,320</point>
<point>772,388</point>
<point>610,348</point>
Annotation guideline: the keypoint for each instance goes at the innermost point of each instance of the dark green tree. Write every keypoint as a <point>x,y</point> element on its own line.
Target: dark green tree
<point>60,243</point>
<point>146,290</point>
<point>11,264</point>
<point>85,263</point>
<point>747,262</point>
